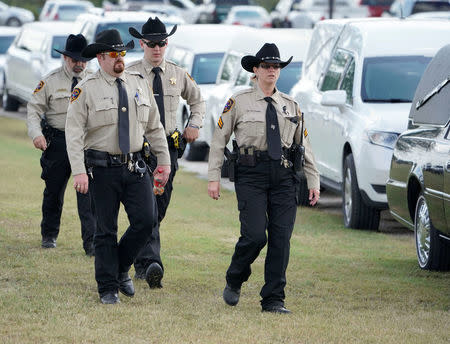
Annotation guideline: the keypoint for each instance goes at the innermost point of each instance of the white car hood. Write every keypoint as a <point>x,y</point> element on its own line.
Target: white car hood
<point>388,117</point>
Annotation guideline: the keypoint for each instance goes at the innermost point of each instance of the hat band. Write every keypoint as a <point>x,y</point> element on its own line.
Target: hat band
<point>117,45</point>
<point>270,58</point>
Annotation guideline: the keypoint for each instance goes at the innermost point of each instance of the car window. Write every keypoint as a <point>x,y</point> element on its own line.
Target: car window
<point>392,79</point>
<point>88,31</point>
<point>58,42</point>
<point>335,70</point>
<point>347,82</point>
<point>289,76</point>
<point>205,67</point>
<point>70,12</point>
<point>122,27</point>
<point>430,6</point>
<point>31,40</point>
<point>177,3</point>
<point>247,14</point>
<point>5,42</point>
<point>177,56</point>
<point>243,78</point>
<point>228,67</point>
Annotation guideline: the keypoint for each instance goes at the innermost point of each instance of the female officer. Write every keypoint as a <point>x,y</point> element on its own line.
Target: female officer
<point>266,123</point>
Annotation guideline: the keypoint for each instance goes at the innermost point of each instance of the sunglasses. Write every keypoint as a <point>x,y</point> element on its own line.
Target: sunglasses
<point>268,65</point>
<point>154,44</point>
<point>115,54</point>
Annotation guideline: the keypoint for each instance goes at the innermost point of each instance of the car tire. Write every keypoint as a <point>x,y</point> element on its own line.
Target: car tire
<point>197,151</point>
<point>433,252</point>
<point>357,214</point>
<point>13,22</point>
<point>9,103</point>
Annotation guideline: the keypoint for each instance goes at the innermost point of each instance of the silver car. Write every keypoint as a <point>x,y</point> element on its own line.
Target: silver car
<point>14,16</point>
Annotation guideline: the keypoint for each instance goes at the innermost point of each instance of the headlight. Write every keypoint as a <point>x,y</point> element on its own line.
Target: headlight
<point>382,138</point>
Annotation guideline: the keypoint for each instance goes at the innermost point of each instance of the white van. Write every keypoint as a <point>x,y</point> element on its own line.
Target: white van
<point>358,81</point>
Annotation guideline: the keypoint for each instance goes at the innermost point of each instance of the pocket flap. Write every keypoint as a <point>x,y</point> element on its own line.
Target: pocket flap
<point>172,92</point>
<point>103,105</point>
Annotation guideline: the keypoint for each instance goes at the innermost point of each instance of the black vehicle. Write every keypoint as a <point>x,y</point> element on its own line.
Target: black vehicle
<point>418,189</point>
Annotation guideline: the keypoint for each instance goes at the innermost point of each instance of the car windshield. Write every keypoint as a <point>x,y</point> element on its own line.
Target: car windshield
<point>205,67</point>
<point>392,79</point>
<point>70,12</point>
<point>122,27</point>
<point>247,14</point>
<point>5,42</point>
<point>289,75</point>
<point>59,42</point>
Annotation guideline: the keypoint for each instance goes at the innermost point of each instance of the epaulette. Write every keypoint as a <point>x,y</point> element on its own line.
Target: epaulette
<point>52,72</point>
<point>172,63</point>
<point>135,72</point>
<point>244,91</point>
<point>285,96</point>
<point>134,63</point>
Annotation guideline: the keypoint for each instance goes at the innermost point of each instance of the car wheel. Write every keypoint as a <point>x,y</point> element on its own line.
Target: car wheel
<point>13,22</point>
<point>9,103</point>
<point>433,253</point>
<point>197,151</point>
<point>357,214</point>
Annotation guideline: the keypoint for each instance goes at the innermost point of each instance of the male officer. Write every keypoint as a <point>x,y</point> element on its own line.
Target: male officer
<point>108,116</point>
<point>170,82</point>
<point>266,123</point>
<point>51,99</point>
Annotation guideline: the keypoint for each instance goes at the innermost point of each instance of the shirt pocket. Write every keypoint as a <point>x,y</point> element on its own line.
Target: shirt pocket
<point>60,102</point>
<point>105,113</point>
<point>288,125</point>
<point>253,123</point>
<point>171,98</point>
<point>143,106</point>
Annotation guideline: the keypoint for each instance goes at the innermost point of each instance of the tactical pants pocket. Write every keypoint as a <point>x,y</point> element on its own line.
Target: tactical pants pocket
<point>46,165</point>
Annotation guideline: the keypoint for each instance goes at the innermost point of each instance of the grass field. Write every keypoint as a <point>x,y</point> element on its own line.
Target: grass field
<point>344,286</point>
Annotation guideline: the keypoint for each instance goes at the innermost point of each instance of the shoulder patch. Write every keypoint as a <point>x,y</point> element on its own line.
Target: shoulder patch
<point>305,132</point>
<point>75,94</point>
<point>228,105</point>
<point>39,87</point>
<point>220,122</point>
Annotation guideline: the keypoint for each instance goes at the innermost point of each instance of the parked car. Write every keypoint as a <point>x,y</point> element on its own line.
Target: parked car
<point>30,57</point>
<point>216,11</point>
<point>377,7</point>
<point>254,16</point>
<point>7,36</point>
<point>279,15</point>
<point>201,57</point>
<point>186,8</point>
<point>431,15</point>
<point>356,94</point>
<point>90,24</point>
<point>14,16</point>
<point>404,8</point>
<point>309,12</point>
<point>418,188</point>
<point>67,10</point>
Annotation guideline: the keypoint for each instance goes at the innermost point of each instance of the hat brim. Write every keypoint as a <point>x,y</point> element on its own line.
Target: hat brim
<point>153,37</point>
<point>95,48</point>
<point>75,55</point>
<point>249,61</point>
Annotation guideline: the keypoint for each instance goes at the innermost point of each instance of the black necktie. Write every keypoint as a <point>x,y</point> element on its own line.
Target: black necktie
<point>124,123</point>
<point>273,131</point>
<point>159,94</point>
<point>74,82</point>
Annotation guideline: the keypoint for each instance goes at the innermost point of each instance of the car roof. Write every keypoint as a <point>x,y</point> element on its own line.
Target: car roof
<point>53,27</point>
<point>108,16</point>
<point>206,38</point>
<point>392,36</point>
<point>9,30</point>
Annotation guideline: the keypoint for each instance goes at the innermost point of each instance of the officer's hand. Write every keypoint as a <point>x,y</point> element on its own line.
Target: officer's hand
<point>314,196</point>
<point>161,173</point>
<point>40,143</point>
<point>214,190</point>
<point>190,134</point>
<point>81,183</point>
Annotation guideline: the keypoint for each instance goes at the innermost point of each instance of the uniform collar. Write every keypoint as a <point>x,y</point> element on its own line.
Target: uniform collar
<point>111,79</point>
<point>260,94</point>
<point>148,66</point>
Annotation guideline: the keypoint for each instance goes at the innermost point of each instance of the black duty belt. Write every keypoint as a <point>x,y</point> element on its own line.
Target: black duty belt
<point>58,133</point>
<point>99,158</point>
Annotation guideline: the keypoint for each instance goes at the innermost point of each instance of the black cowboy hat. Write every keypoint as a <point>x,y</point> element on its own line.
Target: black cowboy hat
<point>107,40</point>
<point>153,30</point>
<point>269,53</point>
<point>74,45</point>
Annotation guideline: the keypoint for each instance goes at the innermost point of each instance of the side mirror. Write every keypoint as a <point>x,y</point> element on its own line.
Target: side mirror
<point>334,98</point>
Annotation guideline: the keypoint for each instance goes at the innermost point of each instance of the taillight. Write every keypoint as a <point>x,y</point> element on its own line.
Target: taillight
<point>236,23</point>
<point>322,18</point>
<point>56,17</point>
<point>267,25</point>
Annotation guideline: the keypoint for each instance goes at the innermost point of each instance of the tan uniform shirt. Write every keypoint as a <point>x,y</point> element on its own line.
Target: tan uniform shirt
<point>51,98</point>
<point>245,115</point>
<point>176,82</point>
<point>92,118</point>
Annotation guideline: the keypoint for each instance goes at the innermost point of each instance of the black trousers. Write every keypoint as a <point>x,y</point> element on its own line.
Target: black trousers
<point>56,173</point>
<point>110,187</point>
<point>151,252</point>
<point>266,202</point>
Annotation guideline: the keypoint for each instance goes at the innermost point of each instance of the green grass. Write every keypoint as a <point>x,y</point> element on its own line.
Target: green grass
<point>344,286</point>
